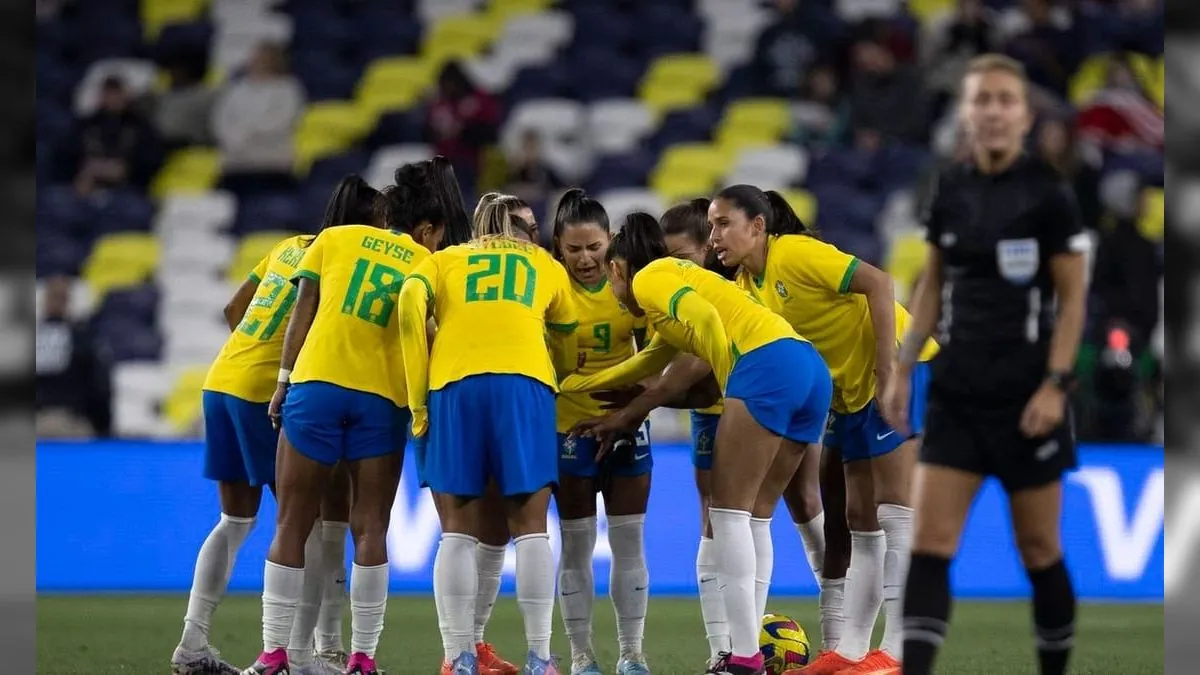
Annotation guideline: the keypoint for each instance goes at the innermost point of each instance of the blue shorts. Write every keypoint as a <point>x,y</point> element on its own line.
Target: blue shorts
<point>786,387</point>
<point>492,425</point>
<point>865,434</point>
<point>328,423</point>
<point>577,456</point>
<point>239,441</point>
<point>704,436</point>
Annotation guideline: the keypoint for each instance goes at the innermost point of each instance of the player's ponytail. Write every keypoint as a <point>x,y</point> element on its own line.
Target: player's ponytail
<point>575,207</point>
<point>424,192</point>
<point>783,218</point>
<point>445,186</point>
<point>514,204</point>
<point>353,202</point>
<point>639,242</point>
<point>498,220</point>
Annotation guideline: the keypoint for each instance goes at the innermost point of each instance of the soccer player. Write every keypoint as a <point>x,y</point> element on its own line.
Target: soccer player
<point>1005,286</point>
<point>848,309</point>
<point>777,392</point>
<point>240,448</point>
<point>341,398</point>
<point>485,396</point>
<point>607,335</point>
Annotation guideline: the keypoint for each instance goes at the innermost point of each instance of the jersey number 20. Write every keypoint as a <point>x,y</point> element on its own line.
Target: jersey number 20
<point>483,287</point>
<point>276,286</point>
<point>376,303</point>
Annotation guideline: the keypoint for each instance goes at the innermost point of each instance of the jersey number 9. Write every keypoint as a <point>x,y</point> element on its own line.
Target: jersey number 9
<point>482,286</point>
<point>252,322</point>
<point>377,303</point>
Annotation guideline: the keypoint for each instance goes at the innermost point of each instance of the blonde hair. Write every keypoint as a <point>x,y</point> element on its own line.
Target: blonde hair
<point>998,63</point>
<point>496,218</point>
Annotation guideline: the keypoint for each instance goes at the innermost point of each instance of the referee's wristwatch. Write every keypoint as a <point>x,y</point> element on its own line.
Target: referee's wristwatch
<point>1064,381</point>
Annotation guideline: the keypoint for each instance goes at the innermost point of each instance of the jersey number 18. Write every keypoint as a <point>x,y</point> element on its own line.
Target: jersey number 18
<point>376,303</point>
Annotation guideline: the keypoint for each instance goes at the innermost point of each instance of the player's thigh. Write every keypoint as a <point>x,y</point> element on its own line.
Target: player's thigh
<point>576,492</point>
<point>744,454</point>
<point>860,496</point>
<point>460,515</point>
<point>493,525</point>
<point>1036,517</point>
<point>456,454</point>
<point>803,494</point>
<point>521,437</point>
<point>527,512</point>
<point>222,451</point>
<point>299,484</point>
<point>627,495</point>
<point>942,498</point>
<point>953,437</point>
<point>314,420</point>
<point>779,476</point>
<point>892,474</point>
<point>335,506</point>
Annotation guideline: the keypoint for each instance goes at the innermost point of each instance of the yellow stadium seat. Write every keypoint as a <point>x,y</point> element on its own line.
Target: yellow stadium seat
<point>697,69</point>
<point>737,139</point>
<point>1152,220</point>
<point>507,9</point>
<point>928,10</point>
<point>187,171</point>
<point>688,170</point>
<point>157,13</point>
<point>252,249</point>
<point>328,127</point>
<point>183,406</point>
<point>666,96</point>
<point>460,37</point>
<point>119,261</point>
<point>772,113</point>
<point>1093,74</point>
<point>683,184</point>
<point>905,260</point>
<point>803,203</point>
<point>394,83</point>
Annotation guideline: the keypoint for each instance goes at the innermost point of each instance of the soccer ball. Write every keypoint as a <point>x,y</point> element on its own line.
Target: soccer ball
<point>783,644</point>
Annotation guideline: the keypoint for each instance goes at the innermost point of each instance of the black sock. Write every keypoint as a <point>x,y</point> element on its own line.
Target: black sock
<point>1053,617</point>
<point>926,611</point>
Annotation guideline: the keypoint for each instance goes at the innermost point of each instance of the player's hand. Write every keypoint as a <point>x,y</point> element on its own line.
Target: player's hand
<point>420,422</point>
<point>893,402</point>
<point>615,399</point>
<point>275,410</point>
<point>1044,412</point>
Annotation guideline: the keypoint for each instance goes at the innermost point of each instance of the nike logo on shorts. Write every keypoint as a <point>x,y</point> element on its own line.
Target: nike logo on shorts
<point>880,437</point>
<point>638,458</point>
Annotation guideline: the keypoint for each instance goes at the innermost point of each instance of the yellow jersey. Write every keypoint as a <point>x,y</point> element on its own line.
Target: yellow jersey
<point>248,362</point>
<point>354,340</point>
<point>690,309</point>
<point>494,301</point>
<point>607,335</point>
<point>807,282</point>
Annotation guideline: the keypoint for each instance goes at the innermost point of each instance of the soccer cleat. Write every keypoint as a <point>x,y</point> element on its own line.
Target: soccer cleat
<point>876,662</point>
<point>319,667</point>
<point>361,664</point>
<point>828,663</point>
<point>205,661</point>
<point>632,664</point>
<point>536,666</point>
<point>726,663</point>
<point>584,663</point>
<point>464,664</point>
<point>490,662</point>
<point>337,659</point>
<point>270,663</point>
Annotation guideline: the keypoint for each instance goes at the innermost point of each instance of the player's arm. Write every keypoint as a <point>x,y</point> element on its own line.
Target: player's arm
<point>674,389</point>
<point>926,302</point>
<point>1067,245</point>
<point>876,285</point>
<point>236,308</point>
<point>415,297</point>
<point>646,363</point>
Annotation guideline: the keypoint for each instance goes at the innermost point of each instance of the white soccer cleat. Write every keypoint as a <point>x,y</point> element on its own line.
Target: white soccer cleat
<point>205,661</point>
<point>319,667</point>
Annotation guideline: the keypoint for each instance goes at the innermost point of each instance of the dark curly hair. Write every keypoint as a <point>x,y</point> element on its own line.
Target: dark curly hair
<point>426,192</point>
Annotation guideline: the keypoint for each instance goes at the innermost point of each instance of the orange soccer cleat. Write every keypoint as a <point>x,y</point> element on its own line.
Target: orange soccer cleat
<point>491,663</point>
<point>876,662</point>
<point>827,663</point>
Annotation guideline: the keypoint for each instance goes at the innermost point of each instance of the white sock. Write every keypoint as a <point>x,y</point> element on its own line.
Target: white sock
<point>829,602</point>
<point>735,570</point>
<point>333,600</point>
<point>577,581</point>
<point>535,590</point>
<point>214,564</point>
<point>282,587</point>
<point>864,593</point>
<point>300,644</point>
<point>764,562</point>
<point>455,584</point>
<point>897,522</point>
<point>712,605</point>
<point>812,534</point>
<point>489,565</point>
<point>368,604</point>
<point>629,580</point>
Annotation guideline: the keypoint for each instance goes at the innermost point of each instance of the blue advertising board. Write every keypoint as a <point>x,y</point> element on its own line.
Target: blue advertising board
<point>130,516</point>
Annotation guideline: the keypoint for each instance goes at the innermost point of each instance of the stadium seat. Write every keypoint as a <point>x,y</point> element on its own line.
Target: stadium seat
<point>774,167</point>
<point>688,170</point>
<point>327,128</point>
<point>138,389</point>
<point>431,11</point>
<point>1152,220</point>
<point>138,75</point>
<point>183,408</point>
<point>905,260</point>
<point>622,202</point>
<point>193,341</point>
<point>551,27</point>
<point>190,171</point>
<point>729,39</point>
<point>252,249</point>
<point>393,84</point>
<point>509,9</point>
<point>803,203</point>
<point>678,81</point>
<point>617,126</point>
<point>561,125</point>
<point>122,211</point>
<point>1093,74</point>
<point>120,261</point>
<point>385,161</point>
<point>929,11</point>
<point>195,250</point>
<point>235,41</point>
<point>209,211</point>
<point>854,12</point>
<point>158,13</point>
<point>459,37</point>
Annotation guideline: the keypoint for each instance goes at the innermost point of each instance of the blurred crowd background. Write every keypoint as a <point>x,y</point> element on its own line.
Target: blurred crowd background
<point>177,140</point>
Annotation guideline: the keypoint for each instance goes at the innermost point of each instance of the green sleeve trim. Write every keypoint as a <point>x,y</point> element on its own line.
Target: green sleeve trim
<point>305,274</point>
<point>674,302</point>
<point>563,327</point>
<point>428,286</point>
<point>845,285</point>
<point>254,277</point>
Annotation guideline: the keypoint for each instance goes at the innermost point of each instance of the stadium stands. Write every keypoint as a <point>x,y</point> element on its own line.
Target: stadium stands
<point>644,103</point>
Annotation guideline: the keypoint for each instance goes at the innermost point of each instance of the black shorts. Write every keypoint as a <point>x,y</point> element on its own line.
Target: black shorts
<point>987,440</point>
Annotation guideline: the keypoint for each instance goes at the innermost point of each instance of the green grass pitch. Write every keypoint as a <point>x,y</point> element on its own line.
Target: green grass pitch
<point>98,635</point>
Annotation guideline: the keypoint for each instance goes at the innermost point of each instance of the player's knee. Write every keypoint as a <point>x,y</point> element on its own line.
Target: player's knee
<point>1038,550</point>
<point>936,536</point>
<point>861,516</point>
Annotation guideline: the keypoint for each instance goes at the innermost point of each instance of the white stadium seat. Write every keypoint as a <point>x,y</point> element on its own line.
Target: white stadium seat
<point>553,28</point>
<point>856,11</point>
<point>432,10</point>
<point>234,42</point>
<point>730,39</point>
<point>777,167</point>
<point>210,211</point>
<point>617,126</point>
<point>385,161</point>
<point>138,390</point>
<point>198,251</point>
<point>137,74</point>
<point>192,340</point>
<point>620,203</point>
<point>561,125</point>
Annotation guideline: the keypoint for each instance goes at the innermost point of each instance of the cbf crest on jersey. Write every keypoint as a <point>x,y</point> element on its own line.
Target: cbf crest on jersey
<point>1018,259</point>
<point>781,289</point>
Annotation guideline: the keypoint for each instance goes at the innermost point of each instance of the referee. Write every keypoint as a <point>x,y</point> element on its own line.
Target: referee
<point>1005,248</point>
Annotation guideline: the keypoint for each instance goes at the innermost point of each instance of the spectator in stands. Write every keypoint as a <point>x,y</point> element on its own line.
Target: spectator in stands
<point>463,119</point>
<point>1056,145</point>
<point>821,115</point>
<point>805,33</point>
<point>950,44</point>
<point>1047,44</point>
<point>73,391</point>
<point>183,113</point>
<point>112,147</point>
<point>886,96</point>
<point>1121,117</point>
<point>254,121</point>
<point>529,176</point>
<point>1125,276</point>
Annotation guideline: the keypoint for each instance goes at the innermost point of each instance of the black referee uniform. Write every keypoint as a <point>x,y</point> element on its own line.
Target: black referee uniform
<point>997,234</point>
